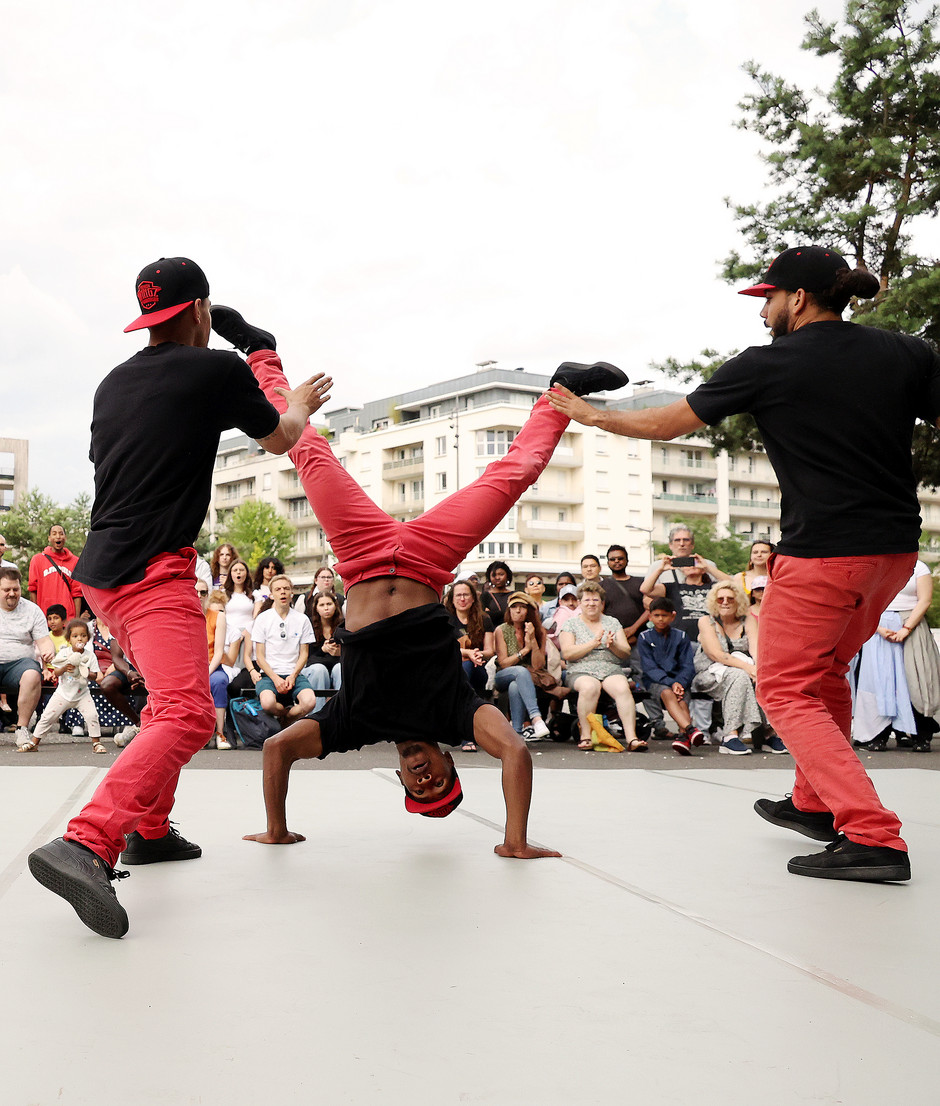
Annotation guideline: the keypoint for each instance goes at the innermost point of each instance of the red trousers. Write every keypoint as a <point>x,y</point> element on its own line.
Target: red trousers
<point>817,614</point>
<point>368,542</point>
<point>159,624</point>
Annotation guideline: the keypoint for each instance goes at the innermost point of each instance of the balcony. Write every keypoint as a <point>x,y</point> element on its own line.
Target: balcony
<point>760,508</point>
<point>538,495</point>
<point>685,467</point>
<point>397,509</point>
<point>546,530</point>
<point>410,466</point>
<point>699,504</point>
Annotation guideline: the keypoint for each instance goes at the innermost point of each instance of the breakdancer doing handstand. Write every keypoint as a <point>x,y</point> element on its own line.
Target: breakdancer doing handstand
<point>394,572</point>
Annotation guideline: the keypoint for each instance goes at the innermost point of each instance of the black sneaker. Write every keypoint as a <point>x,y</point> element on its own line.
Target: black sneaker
<point>173,846</point>
<point>228,324</point>
<point>819,826</point>
<point>83,879</point>
<point>584,379</point>
<point>660,733</point>
<point>845,859</point>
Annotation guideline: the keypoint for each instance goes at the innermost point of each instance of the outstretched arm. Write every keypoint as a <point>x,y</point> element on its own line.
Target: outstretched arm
<point>297,742</point>
<point>495,736</point>
<point>302,401</point>
<point>660,424</point>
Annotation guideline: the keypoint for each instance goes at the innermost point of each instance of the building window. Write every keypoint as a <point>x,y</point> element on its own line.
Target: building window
<point>603,483</point>
<point>417,490</point>
<point>535,549</point>
<point>266,482</point>
<point>535,514</point>
<point>435,411</point>
<point>401,493</point>
<point>494,443</point>
<point>440,446</point>
<point>441,483</point>
<point>563,516</point>
<point>379,424</point>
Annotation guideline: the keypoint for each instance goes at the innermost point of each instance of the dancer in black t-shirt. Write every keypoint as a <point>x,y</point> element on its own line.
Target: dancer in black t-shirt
<point>154,437</point>
<point>836,405</point>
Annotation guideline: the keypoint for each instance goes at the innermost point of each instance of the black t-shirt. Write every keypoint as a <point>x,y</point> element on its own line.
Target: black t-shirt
<point>460,629</point>
<point>154,437</point>
<point>836,404</point>
<point>689,601</point>
<point>495,604</point>
<point>624,599</point>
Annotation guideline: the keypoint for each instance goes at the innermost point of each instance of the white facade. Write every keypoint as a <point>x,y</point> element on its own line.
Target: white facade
<point>412,451</point>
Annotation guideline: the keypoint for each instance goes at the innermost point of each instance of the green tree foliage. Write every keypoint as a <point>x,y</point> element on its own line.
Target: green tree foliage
<point>257,530</point>
<point>853,167</point>
<point>730,554</point>
<point>26,526</point>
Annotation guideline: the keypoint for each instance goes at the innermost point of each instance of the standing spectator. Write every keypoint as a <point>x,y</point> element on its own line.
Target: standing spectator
<point>520,649</point>
<point>590,567</point>
<point>474,630</point>
<point>266,570</point>
<point>50,575</point>
<point>222,560</point>
<point>624,597</point>
<point>324,669</point>
<point>3,548</point>
<point>73,665</point>
<point>282,637</point>
<point>761,552</point>
<point>154,438</point>
<point>240,605</point>
<point>593,644</point>
<point>23,632</point>
<point>497,590</point>
<point>666,659</point>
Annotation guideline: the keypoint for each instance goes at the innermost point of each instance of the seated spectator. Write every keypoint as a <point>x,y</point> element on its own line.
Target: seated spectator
<point>120,682</point>
<point>569,604</point>
<point>497,590</point>
<point>240,605</point>
<point>215,638</point>
<point>761,551</point>
<point>23,633</point>
<point>56,618</point>
<point>758,588</point>
<point>474,630</point>
<point>520,650</point>
<point>324,583</point>
<point>471,578</point>
<point>666,661</point>
<point>726,667</point>
<point>268,568</point>
<point>222,560</point>
<point>281,638</point>
<point>324,668</point>
<point>73,666</point>
<point>594,646</point>
<point>535,589</point>
<point>563,580</point>
<point>624,598</point>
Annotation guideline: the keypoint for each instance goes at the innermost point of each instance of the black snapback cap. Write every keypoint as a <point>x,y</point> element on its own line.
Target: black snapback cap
<point>166,288</point>
<point>812,268</point>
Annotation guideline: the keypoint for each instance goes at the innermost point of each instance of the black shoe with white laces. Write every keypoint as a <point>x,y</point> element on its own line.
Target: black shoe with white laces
<point>231,326</point>
<point>83,879</point>
<point>819,826</point>
<point>172,846</point>
<point>845,859</point>
<point>584,379</point>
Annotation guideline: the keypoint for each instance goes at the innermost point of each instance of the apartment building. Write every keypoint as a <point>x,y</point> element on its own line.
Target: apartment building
<point>14,471</point>
<point>410,451</point>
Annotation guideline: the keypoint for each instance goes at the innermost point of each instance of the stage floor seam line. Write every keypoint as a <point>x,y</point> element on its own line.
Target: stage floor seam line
<point>819,975</point>
<point>18,864</point>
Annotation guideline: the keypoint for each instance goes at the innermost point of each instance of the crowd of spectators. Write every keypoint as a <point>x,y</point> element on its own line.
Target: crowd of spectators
<point>604,660</point>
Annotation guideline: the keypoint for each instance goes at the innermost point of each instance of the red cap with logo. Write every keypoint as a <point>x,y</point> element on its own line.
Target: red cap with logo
<point>166,288</point>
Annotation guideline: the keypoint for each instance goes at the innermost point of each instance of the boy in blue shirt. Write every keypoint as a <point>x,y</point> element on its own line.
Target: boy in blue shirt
<point>666,659</point>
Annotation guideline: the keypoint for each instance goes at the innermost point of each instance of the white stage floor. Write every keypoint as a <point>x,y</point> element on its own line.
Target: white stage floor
<point>668,959</point>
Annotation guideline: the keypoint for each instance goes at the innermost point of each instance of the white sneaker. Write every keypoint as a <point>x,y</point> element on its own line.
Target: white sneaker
<point>78,731</point>
<point>126,736</point>
<point>221,743</point>
<point>539,729</point>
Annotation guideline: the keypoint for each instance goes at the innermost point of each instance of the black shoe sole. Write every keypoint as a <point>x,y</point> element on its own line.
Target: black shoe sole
<point>99,910</point>
<point>140,858</point>
<point>885,873</point>
<point>806,831</point>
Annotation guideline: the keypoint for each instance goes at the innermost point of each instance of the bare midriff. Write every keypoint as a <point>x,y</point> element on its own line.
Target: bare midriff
<point>373,600</point>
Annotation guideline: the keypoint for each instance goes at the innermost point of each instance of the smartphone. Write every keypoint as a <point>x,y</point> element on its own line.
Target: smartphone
<point>683,562</point>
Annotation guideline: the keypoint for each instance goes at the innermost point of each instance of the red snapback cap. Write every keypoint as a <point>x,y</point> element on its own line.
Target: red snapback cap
<point>439,808</point>
<point>812,268</point>
<point>166,288</point>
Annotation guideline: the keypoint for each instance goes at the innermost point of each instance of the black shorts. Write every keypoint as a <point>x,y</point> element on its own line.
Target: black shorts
<point>402,681</point>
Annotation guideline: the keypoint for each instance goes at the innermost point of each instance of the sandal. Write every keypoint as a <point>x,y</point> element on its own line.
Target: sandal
<point>97,747</point>
<point>586,744</point>
<point>637,745</point>
<point>28,746</point>
<point>468,747</point>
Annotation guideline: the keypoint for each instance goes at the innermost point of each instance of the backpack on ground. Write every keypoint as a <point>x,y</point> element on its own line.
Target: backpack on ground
<point>252,725</point>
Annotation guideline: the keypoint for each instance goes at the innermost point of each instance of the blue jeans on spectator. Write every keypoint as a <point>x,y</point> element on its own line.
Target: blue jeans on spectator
<point>476,674</point>
<point>218,685</point>
<point>322,678</point>
<point>522,701</point>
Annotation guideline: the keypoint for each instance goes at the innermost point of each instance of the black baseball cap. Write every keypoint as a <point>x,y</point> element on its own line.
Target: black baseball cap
<point>812,268</point>
<point>166,288</point>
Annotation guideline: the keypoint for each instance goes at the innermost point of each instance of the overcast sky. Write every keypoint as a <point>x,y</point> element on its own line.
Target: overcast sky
<point>398,189</point>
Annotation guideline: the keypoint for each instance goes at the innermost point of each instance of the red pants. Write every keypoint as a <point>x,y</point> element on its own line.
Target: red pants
<point>159,624</point>
<point>817,614</point>
<point>368,542</point>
